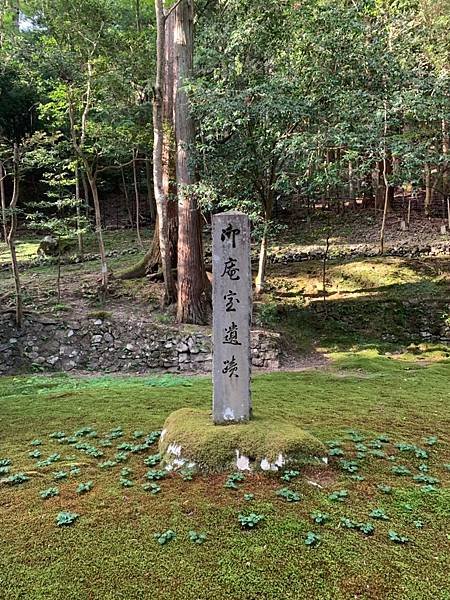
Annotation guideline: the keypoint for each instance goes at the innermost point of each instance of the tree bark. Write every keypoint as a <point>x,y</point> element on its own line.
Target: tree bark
<point>192,280</point>
<point>158,134</point>
<point>150,196</point>
<point>77,200</point>
<point>127,198</point>
<point>428,190</point>
<point>3,202</point>
<point>261,276</point>
<point>137,199</point>
<point>11,237</point>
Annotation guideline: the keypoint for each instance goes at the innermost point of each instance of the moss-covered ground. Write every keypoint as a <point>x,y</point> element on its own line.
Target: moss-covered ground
<point>110,552</point>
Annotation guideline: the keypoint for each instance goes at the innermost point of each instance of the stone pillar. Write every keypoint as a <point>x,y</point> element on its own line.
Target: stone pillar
<point>232,312</point>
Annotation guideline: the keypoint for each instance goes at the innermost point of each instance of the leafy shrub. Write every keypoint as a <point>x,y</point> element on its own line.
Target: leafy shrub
<point>163,538</point>
<point>65,518</point>
<point>83,488</point>
<point>288,495</point>
<point>250,521</point>
<point>49,493</point>
<point>197,538</point>
<point>320,518</point>
<point>312,539</point>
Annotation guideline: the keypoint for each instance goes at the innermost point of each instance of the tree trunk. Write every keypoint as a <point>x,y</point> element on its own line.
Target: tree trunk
<point>192,280</point>
<point>150,196</point>
<point>261,276</point>
<point>77,200</point>
<point>386,205</point>
<point>3,202</point>
<point>127,198</point>
<point>86,194</point>
<point>428,190</point>
<point>169,142</point>
<point>137,200</point>
<point>158,133</point>
<point>11,237</point>
<point>99,232</point>
<point>446,165</point>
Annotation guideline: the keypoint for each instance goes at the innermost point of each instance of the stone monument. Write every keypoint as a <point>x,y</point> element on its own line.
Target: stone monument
<point>232,313</point>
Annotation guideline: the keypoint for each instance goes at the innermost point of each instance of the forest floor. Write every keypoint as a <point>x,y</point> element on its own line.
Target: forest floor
<point>386,423</point>
<point>379,302</point>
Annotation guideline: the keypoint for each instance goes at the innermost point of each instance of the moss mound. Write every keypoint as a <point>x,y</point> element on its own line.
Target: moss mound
<point>213,448</point>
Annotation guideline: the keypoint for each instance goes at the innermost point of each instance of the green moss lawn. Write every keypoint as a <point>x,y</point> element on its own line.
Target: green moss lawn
<point>364,405</point>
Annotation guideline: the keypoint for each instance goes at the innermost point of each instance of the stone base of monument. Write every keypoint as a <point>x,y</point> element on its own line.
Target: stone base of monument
<point>191,440</point>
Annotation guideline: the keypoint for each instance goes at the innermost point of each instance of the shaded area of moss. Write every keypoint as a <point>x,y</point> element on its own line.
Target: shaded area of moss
<point>213,448</point>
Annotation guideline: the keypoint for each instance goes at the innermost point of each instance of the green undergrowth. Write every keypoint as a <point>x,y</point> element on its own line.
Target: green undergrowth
<point>379,302</point>
<point>373,524</point>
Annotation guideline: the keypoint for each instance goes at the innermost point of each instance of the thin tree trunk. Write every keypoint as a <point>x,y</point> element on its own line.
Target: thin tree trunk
<point>11,237</point>
<point>324,276</point>
<point>428,190</point>
<point>86,194</point>
<point>78,147</point>
<point>386,183</point>
<point>58,277</point>
<point>150,195</point>
<point>137,200</point>
<point>158,133</point>
<point>3,202</point>
<point>79,228</point>
<point>192,280</point>
<point>99,234</point>
<point>261,276</point>
<point>127,197</point>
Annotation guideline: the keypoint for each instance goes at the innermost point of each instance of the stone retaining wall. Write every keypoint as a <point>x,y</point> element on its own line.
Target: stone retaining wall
<point>111,345</point>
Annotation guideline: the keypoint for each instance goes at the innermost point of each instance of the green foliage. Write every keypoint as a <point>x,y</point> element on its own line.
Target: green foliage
<point>378,513</point>
<point>5,462</point>
<point>288,475</point>
<point>187,474</point>
<point>385,489</point>
<point>152,460</point>
<point>107,464</point>
<point>34,454</point>
<point>233,480</point>
<point>164,538</point>
<point>288,495</point>
<point>397,538</point>
<point>66,518</point>
<point>36,442</point>
<point>320,518</point>
<point>153,488</point>
<point>126,483</point>
<point>250,521</point>
<point>335,452</point>
<point>82,488</point>
<point>312,539</point>
<point>4,470</point>
<point>58,475</point>
<point>155,474</point>
<point>249,497</point>
<point>431,441</point>
<point>57,435</point>
<point>197,538</point>
<point>50,492</point>
<point>400,470</point>
<point>15,479</point>
<point>338,496</point>
<point>427,479</point>
<point>349,465</point>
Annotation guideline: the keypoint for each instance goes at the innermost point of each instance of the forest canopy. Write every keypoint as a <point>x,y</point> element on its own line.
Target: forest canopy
<point>216,105</point>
